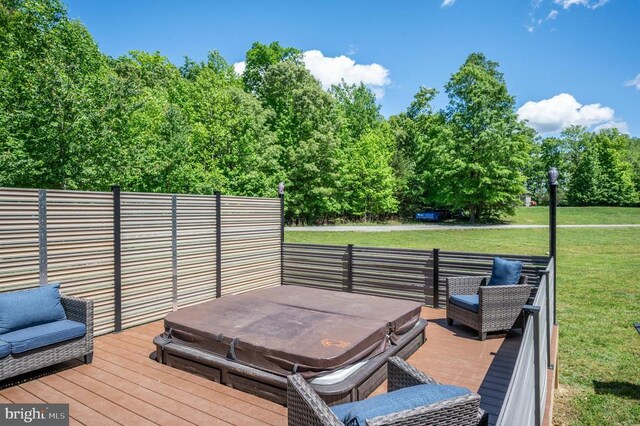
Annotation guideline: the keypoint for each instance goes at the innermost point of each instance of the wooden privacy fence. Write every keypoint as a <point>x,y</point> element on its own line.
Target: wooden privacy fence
<point>404,273</point>
<point>138,255</point>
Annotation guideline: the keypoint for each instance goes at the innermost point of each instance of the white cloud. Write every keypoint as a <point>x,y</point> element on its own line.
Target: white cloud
<point>446,3</point>
<point>634,82</point>
<point>239,67</point>
<point>620,125</point>
<point>591,4</point>
<point>535,23</point>
<point>536,5</point>
<point>561,111</point>
<point>331,70</point>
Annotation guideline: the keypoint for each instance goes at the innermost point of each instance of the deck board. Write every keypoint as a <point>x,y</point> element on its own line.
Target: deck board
<point>125,386</point>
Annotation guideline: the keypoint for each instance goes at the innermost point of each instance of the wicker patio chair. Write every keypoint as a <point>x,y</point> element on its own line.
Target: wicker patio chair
<point>76,309</point>
<point>306,408</point>
<point>499,306</point>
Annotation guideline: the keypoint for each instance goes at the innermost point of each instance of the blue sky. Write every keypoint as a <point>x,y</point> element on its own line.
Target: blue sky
<point>565,61</point>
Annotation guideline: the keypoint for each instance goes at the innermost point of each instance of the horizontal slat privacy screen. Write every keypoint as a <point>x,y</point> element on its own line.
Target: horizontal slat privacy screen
<point>400,273</point>
<point>315,265</point>
<point>407,274</point>
<point>250,243</point>
<point>147,271</point>
<point>80,249</point>
<point>168,248</point>
<point>393,272</point>
<point>18,238</point>
<point>196,249</point>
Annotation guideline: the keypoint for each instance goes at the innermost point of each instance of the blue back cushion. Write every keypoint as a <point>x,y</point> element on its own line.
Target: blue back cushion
<point>357,413</point>
<point>505,272</point>
<point>26,308</point>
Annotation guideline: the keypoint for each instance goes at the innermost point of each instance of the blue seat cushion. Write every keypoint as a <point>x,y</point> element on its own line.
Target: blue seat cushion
<point>469,302</point>
<point>357,413</point>
<point>5,349</point>
<point>505,272</point>
<point>26,308</point>
<point>43,335</point>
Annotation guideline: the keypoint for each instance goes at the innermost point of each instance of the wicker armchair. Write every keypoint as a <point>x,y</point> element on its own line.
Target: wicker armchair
<point>499,306</point>
<point>307,409</point>
<point>80,310</point>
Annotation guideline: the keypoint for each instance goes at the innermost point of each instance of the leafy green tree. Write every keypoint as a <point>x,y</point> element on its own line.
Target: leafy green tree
<point>152,131</point>
<point>231,137</point>
<point>357,108</point>
<point>260,57</point>
<point>422,137</point>
<point>368,183</point>
<point>52,106</point>
<point>488,148</point>
<point>305,126</point>
<point>633,156</point>
<point>603,175</point>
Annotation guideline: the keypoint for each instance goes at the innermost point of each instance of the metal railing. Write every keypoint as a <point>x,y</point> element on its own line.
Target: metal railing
<point>526,396</point>
<point>403,273</point>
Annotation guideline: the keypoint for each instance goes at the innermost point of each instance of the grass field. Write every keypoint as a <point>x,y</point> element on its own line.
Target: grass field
<point>577,215</point>
<point>598,302</point>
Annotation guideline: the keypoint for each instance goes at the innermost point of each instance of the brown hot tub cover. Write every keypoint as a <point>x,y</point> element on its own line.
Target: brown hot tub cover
<point>293,329</point>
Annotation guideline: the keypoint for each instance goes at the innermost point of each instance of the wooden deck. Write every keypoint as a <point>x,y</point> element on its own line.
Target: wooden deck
<point>125,386</point>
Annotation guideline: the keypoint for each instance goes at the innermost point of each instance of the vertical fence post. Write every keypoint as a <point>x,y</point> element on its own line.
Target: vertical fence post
<point>535,311</point>
<point>350,268</point>
<point>218,245</point>
<point>42,236</point>
<point>117,258</point>
<point>436,278</point>
<point>553,203</point>
<point>174,251</point>
<point>281,196</point>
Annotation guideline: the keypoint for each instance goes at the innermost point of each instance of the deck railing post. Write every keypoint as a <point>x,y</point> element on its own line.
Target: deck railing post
<point>535,311</point>
<point>218,244</point>
<point>117,258</point>
<point>281,196</point>
<point>553,203</point>
<point>42,236</point>
<point>350,268</point>
<point>174,251</point>
<point>436,278</point>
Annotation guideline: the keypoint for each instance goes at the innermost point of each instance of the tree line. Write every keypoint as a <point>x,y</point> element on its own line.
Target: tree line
<point>72,117</point>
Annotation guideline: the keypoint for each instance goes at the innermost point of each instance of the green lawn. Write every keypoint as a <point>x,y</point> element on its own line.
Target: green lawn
<point>598,302</point>
<point>577,215</point>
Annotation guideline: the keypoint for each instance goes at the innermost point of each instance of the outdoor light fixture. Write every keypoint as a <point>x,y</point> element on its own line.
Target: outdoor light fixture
<point>553,176</point>
<point>281,188</point>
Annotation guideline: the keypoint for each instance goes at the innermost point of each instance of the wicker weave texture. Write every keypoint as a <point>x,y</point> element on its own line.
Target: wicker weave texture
<point>306,407</point>
<point>499,308</point>
<point>80,310</point>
